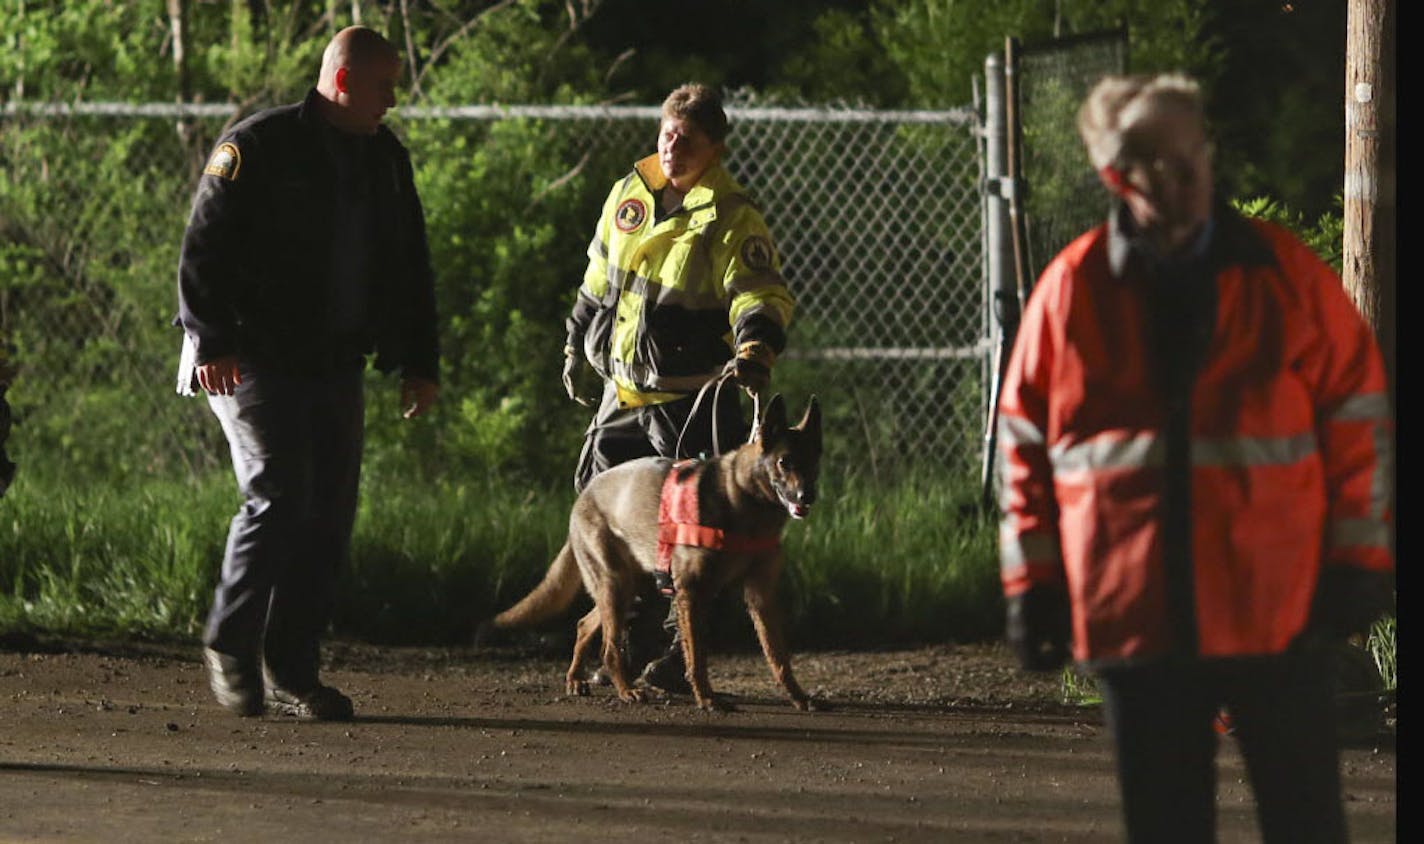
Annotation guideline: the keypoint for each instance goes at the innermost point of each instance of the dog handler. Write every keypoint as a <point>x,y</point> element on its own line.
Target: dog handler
<point>1196,442</point>
<point>305,251</point>
<point>683,283</point>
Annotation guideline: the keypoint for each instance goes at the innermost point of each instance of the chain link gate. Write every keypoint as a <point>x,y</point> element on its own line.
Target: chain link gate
<point>877,215</point>
<point>1037,180</point>
<point>1053,80</point>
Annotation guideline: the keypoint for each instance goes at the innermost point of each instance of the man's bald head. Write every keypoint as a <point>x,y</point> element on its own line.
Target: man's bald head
<point>355,46</point>
<point>359,70</point>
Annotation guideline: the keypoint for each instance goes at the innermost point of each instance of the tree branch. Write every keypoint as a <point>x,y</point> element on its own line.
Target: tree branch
<point>445,44</point>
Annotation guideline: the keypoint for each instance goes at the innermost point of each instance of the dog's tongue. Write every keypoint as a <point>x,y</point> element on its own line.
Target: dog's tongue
<point>798,511</point>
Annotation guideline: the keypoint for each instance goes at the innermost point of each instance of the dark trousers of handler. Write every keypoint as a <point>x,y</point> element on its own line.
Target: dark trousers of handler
<point>296,445</point>
<point>617,435</point>
<point>1282,710</point>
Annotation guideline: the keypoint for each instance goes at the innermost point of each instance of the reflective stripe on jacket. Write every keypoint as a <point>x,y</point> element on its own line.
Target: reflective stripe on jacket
<point>1288,437</point>
<point>665,301</point>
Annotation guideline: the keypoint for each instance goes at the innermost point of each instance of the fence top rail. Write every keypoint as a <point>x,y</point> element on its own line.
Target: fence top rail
<point>958,116</point>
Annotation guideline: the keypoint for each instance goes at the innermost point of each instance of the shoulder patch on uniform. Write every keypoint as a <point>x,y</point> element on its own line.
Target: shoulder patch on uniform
<point>630,215</point>
<point>225,162</point>
<point>756,253</point>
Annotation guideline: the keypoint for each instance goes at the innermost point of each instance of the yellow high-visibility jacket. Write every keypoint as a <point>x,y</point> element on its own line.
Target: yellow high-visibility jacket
<point>664,304</point>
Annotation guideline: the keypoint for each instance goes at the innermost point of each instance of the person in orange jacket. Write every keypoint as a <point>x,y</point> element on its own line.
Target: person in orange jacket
<point>1196,444</point>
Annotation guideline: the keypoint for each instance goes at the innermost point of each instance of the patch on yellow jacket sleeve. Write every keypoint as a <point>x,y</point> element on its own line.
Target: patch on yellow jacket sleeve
<point>756,253</point>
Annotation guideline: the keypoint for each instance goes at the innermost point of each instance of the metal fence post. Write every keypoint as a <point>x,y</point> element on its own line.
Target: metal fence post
<point>999,251</point>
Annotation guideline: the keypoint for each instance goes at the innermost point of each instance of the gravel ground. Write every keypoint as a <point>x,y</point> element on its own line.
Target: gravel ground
<point>122,742</point>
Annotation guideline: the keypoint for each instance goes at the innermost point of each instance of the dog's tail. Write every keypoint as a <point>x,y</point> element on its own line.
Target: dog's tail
<point>552,596</point>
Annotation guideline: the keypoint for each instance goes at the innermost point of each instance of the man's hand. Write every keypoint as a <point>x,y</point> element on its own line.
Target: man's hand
<point>578,377</point>
<point>1039,628</point>
<point>417,395</point>
<point>219,377</point>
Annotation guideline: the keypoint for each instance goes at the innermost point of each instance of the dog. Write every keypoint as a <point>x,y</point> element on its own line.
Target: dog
<point>743,500</point>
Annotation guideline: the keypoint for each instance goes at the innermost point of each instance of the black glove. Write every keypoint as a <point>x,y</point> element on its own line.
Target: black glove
<point>578,378</point>
<point>1348,600</point>
<point>752,366</point>
<point>1039,628</point>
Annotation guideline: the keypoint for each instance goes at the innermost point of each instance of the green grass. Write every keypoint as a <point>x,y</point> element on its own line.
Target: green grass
<point>91,559</point>
<point>1381,645</point>
<point>910,561</point>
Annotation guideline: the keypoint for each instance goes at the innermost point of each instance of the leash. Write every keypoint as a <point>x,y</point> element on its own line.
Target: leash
<point>679,514</point>
<point>715,384</point>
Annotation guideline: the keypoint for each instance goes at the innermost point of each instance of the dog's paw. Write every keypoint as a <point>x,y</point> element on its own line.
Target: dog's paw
<point>808,704</point>
<point>633,695</point>
<point>577,687</point>
<point>712,703</point>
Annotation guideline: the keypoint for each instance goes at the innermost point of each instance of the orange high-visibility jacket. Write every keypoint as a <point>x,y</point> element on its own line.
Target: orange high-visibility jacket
<point>1290,450</point>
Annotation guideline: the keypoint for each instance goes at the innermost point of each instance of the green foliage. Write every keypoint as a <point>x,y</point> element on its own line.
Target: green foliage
<point>839,63</point>
<point>265,60</point>
<point>92,210</point>
<point>91,242</point>
<point>912,560</point>
<point>909,561</point>
<point>1383,648</point>
<point>55,51</point>
<point>519,54</point>
<point>1325,237</point>
<point>1078,687</point>
<point>113,558</point>
<point>940,45</point>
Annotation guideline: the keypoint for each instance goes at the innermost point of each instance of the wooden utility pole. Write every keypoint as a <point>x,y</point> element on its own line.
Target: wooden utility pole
<point>1369,247</point>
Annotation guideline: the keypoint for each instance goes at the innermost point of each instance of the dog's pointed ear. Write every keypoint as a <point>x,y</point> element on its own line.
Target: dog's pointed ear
<point>810,424</point>
<point>773,421</point>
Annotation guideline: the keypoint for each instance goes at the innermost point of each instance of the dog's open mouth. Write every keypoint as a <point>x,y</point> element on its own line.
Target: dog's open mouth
<point>798,511</point>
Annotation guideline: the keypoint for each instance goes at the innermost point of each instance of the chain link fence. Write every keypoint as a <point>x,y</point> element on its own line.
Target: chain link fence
<point>877,216</point>
<point>1054,78</point>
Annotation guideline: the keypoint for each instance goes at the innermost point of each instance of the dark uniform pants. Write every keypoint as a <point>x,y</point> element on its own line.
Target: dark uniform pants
<point>1282,709</point>
<point>296,451</point>
<point>618,435</point>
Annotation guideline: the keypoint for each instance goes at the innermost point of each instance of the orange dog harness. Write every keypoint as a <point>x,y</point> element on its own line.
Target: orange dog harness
<point>680,523</point>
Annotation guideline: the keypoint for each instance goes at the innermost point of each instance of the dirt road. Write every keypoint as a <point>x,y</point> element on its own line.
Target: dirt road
<point>123,743</point>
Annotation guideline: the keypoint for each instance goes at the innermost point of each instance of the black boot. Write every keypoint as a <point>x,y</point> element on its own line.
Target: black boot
<point>668,672</point>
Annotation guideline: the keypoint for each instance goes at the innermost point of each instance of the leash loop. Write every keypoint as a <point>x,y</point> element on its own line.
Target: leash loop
<point>715,384</point>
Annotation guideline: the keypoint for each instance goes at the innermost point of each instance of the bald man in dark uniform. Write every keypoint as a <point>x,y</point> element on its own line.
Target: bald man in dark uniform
<point>305,253</point>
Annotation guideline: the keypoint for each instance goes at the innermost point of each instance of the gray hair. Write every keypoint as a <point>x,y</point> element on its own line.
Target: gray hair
<point>1118,104</point>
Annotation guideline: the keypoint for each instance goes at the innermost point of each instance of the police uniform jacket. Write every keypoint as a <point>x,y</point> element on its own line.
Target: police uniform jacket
<point>255,277</point>
<point>664,303</point>
<point>1185,457</point>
